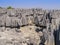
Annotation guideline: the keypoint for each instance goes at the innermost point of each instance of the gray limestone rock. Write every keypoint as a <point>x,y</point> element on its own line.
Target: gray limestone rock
<point>16,24</point>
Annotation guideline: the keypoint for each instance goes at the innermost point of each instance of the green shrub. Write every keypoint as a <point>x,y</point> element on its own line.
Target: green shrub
<point>1,7</point>
<point>9,7</point>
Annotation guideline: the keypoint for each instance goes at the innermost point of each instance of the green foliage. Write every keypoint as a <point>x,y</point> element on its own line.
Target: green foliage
<point>1,7</point>
<point>9,7</point>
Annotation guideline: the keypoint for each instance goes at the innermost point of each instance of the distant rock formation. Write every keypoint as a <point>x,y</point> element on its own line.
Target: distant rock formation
<point>29,27</point>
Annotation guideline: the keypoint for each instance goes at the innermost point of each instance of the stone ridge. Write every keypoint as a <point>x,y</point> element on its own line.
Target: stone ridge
<point>29,26</point>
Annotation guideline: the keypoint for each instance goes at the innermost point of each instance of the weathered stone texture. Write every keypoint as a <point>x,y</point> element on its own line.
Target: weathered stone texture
<point>28,26</point>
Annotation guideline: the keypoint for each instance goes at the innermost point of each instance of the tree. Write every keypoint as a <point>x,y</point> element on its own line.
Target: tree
<point>1,7</point>
<point>9,7</point>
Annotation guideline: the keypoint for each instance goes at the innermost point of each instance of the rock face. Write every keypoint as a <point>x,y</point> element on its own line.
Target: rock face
<point>29,27</point>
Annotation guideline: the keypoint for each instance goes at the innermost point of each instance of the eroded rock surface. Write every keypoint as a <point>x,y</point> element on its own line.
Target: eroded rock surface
<point>29,26</point>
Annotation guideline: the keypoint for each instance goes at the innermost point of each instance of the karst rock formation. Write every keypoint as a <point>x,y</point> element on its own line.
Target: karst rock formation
<point>29,27</point>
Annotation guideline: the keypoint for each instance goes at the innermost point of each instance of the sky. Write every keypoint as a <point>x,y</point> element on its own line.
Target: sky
<point>45,4</point>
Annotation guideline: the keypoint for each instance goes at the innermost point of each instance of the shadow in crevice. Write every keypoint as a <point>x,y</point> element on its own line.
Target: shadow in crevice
<point>42,40</point>
<point>57,36</point>
<point>30,44</point>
